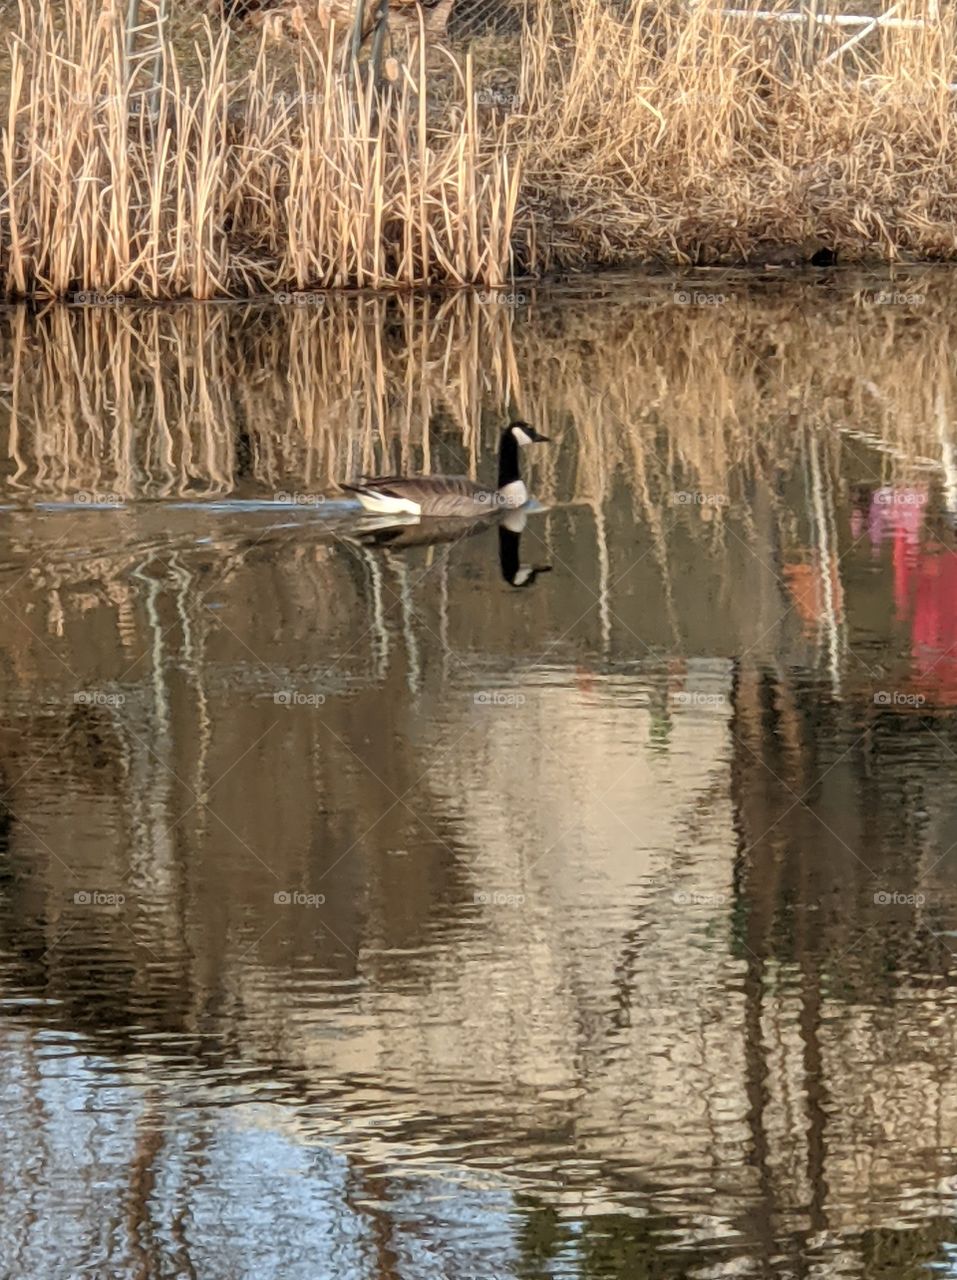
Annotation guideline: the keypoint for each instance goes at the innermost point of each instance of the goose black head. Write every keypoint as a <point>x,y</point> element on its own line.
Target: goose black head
<point>524,433</point>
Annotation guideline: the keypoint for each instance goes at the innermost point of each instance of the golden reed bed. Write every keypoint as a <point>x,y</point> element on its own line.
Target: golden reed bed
<point>602,133</point>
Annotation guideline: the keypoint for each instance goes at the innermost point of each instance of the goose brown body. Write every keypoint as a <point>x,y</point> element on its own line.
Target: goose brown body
<point>438,496</point>
<point>444,497</point>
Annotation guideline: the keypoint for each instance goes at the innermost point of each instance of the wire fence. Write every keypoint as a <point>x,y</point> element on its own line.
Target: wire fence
<point>471,19</point>
<point>805,33</point>
<point>468,19</point>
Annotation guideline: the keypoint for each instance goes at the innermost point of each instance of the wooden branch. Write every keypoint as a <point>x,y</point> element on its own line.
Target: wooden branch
<point>811,14</point>
<point>826,19</point>
<point>880,20</point>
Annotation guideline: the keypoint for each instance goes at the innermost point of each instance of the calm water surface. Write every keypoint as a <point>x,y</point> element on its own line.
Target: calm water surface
<point>364,913</point>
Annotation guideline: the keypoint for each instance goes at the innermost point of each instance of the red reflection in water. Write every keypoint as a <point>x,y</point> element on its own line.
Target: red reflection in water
<point>934,621</point>
<point>925,585</point>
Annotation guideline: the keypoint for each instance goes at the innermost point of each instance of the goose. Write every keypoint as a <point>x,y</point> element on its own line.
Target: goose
<point>453,496</point>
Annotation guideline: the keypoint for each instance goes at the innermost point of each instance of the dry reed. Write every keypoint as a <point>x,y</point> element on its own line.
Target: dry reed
<point>696,137</point>
<point>240,185</point>
<point>679,135</point>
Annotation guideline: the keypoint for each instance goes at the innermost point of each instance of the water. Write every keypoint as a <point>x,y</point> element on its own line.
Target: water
<point>363,914</point>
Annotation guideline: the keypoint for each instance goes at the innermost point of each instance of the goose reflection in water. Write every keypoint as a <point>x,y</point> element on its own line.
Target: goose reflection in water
<point>395,535</point>
<point>516,574</point>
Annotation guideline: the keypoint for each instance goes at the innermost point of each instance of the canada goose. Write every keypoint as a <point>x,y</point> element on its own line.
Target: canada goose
<point>455,496</point>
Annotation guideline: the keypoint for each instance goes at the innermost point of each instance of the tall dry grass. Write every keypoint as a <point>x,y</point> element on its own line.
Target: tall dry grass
<point>613,134</point>
<point>685,135</point>
<point>243,184</point>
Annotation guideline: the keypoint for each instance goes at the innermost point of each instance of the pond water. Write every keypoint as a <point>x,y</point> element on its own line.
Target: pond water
<point>366,913</point>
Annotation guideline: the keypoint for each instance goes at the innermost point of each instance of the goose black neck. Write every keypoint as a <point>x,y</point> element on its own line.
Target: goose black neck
<point>508,466</point>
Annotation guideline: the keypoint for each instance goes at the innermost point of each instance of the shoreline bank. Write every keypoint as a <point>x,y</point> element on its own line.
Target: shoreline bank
<point>858,279</point>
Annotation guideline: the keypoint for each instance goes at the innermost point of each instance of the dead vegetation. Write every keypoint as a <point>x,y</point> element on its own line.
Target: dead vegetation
<point>597,133</point>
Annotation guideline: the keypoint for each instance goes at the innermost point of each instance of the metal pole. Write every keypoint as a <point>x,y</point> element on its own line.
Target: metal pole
<point>132,22</point>
<point>357,39</point>
<point>378,41</point>
<point>159,58</point>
